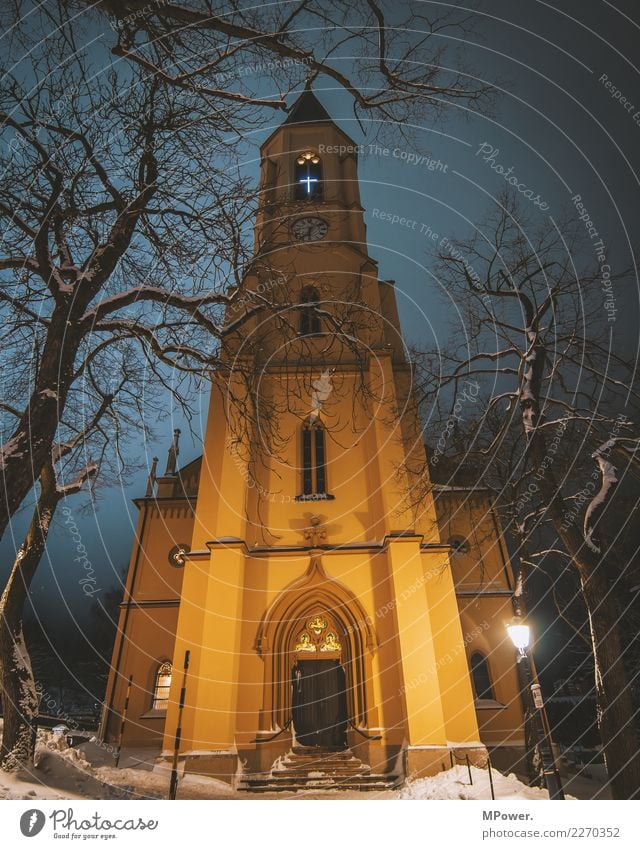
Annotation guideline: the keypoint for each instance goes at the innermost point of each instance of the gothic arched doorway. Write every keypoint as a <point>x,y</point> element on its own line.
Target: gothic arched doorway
<point>319,688</point>
<point>278,634</point>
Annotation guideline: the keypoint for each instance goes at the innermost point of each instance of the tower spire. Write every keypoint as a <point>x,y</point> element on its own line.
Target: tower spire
<point>152,478</point>
<point>307,109</point>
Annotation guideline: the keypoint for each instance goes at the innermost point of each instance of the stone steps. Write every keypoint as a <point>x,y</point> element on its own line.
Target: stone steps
<point>318,770</point>
<point>380,784</point>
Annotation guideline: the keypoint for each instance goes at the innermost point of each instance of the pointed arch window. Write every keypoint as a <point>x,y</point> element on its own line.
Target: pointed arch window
<point>309,318</point>
<point>481,676</point>
<point>161,687</point>
<point>308,176</point>
<point>314,462</point>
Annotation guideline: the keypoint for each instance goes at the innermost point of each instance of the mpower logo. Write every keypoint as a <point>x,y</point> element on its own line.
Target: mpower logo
<point>32,822</point>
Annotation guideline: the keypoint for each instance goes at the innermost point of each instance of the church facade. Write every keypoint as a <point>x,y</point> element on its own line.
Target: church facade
<point>335,604</point>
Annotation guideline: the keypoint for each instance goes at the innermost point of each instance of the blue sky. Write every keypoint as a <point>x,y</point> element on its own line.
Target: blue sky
<point>560,126</point>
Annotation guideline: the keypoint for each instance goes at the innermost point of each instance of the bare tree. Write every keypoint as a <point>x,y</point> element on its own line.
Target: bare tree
<point>227,50</point>
<point>121,221</point>
<point>125,226</point>
<point>99,416</point>
<point>20,701</point>
<point>121,205</point>
<point>537,338</point>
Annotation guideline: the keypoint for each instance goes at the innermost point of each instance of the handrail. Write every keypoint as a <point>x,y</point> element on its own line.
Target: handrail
<point>273,737</point>
<point>362,734</point>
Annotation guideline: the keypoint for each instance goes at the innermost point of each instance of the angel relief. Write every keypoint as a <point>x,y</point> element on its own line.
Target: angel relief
<point>304,643</point>
<point>318,624</point>
<point>330,643</point>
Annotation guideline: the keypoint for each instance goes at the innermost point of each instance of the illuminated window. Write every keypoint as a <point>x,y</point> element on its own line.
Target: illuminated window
<point>161,687</point>
<point>308,177</point>
<point>480,676</point>
<point>309,319</point>
<point>314,477</point>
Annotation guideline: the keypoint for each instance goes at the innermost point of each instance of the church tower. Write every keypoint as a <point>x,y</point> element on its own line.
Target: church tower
<point>324,614</point>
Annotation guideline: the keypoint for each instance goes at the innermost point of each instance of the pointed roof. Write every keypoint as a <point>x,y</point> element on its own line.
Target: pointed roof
<point>307,109</point>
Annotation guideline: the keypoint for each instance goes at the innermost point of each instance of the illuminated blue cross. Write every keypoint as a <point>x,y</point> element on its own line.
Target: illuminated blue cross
<point>308,180</point>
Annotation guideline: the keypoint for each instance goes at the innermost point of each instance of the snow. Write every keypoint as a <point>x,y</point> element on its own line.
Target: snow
<point>454,784</point>
<point>609,481</point>
<point>22,663</point>
<point>519,590</point>
<point>52,777</point>
<point>62,772</point>
<point>9,450</point>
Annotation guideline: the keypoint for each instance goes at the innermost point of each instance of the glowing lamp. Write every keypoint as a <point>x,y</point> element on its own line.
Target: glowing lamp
<point>520,634</point>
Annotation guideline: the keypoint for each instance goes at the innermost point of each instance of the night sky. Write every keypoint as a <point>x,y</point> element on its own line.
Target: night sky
<point>566,119</point>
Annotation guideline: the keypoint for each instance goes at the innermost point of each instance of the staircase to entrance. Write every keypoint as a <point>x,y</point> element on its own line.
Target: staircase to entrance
<point>318,769</point>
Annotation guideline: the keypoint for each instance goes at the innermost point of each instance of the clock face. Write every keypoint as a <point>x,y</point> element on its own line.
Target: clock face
<point>309,229</point>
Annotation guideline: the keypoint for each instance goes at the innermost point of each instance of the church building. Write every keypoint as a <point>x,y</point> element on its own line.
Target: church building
<point>342,613</point>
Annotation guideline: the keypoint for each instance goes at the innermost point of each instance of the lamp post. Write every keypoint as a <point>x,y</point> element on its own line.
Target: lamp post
<point>520,634</point>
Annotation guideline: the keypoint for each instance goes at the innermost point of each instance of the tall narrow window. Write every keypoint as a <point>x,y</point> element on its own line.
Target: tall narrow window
<point>480,676</point>
<point>309,318</point>
<point>319,458</point>
<point>307,461</point>
<point>161,687</point>
<point>308,177</point>
<point>314,474</point>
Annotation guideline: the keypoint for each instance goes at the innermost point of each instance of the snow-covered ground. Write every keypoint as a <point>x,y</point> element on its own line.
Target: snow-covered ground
<point>64,773</point>
<point>454,784</point>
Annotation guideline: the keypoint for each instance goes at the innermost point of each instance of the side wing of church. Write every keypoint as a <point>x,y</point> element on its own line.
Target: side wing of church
<point>328,615</point>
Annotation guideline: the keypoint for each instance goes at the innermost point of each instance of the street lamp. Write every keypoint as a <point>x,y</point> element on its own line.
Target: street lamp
<point>520,634</point>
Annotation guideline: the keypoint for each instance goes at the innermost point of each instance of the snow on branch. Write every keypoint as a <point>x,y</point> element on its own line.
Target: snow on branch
<point>609,480</point>
<point>87,473</point>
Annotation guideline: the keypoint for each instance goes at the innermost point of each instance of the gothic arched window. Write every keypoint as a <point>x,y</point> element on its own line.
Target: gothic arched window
<point>308,177</point>
<point>481,676</point>
<point>314,475</point>
<point>161,687</point>
<point>309,319</point>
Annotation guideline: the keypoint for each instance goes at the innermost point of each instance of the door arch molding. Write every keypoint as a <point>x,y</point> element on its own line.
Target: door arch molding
<point>313,592</point>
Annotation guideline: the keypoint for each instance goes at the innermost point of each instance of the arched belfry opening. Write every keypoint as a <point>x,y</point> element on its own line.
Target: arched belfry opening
<point>316,642</point>
<point>308,183</point>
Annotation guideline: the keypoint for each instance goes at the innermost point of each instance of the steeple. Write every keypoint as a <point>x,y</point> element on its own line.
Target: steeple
<point>309,183</point>
<point>307,109</point>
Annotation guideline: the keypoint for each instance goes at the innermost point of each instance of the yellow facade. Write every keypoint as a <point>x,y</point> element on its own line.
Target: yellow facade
<point>301,507</point>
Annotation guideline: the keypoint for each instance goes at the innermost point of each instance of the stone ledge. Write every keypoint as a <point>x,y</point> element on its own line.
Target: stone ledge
<point>220,765</point>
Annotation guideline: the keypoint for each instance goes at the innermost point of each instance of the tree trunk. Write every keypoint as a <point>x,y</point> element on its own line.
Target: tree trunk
<point>616,713</point>
<point>617,720</point>
<point>615,709</point>
<point>19,696</point>
<point>28,449</point>
<point>19,700</point>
